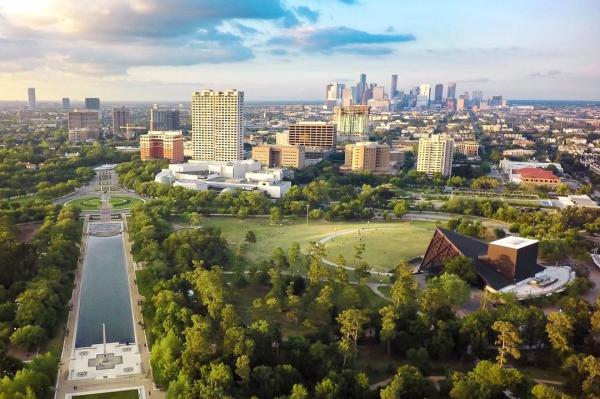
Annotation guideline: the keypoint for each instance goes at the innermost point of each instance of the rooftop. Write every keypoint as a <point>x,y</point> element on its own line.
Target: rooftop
<point>537,173</point>
<point>514,242</point>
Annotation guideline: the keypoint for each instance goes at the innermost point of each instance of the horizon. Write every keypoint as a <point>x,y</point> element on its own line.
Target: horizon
<point>135,49</point>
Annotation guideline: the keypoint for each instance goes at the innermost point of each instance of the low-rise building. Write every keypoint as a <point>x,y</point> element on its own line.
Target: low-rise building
<point>247,175</point>
<point>469,148</point>
<point>162,145</point>
<point>536,177</point>
<point>367,157</point>
<point>277,156</point>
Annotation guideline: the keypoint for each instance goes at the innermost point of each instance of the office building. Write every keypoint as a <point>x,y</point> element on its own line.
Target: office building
<point>83,125</point>
<point>217,125</point>
<point>31,102</point>
<point>349,96</point>
<point>394,87</point>
<point>66,103</point>
<point>366,156</point>
<point>92,103</point>
<point>279,156</point>
<point>164,119</point>
<point>477,97</point>
<point>334,95</point>
<point>352,122</point>
<point>438,93</point>
<point>435,155</point>
<point>377,92</point>
<point>361,89</point>
<point>162,145</point>
<point>451,104</point>
<point>320,135</point>
<point>121,117</point>
<point>469,148</point>
<point>451,90</point>
<point>460,103</point>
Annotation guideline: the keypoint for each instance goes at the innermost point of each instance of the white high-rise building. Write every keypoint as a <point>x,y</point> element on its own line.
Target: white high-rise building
<point>435,155</point>
<point>217,125</point>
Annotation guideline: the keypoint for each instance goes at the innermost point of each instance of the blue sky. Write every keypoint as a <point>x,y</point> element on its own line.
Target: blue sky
<point>162,50</point>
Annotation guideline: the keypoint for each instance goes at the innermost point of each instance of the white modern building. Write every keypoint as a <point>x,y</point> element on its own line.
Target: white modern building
<point>435,155</point>
<point>245,175</point>
<point>217,125</point>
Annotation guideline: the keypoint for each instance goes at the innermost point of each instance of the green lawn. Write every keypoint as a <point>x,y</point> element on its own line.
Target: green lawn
<point>116,202</point>
<point>385,247</point>
<point>111,395</point>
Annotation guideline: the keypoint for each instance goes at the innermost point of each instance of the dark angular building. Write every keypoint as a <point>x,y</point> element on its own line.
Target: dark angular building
<point>499,264</point>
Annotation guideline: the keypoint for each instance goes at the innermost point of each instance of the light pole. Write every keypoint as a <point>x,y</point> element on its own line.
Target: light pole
<point>307,208</point>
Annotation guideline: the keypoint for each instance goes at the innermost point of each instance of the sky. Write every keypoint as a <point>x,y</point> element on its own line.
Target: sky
<point>163,50</point>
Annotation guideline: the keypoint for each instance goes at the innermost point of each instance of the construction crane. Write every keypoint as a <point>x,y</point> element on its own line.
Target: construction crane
<point>128,130</point>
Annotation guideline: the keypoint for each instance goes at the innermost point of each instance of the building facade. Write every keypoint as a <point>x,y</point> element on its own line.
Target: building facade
<point>435,155</point>
<point>367,157</point>
<point>319,135</point>
<point>164,119</point>
<point>66,103</point>
<point>92,103</point>
<point>469,148</point>
<point>352,122</point>
<point>217,125</point>
<point>279,156</point>
<point>438,93</point>
<point>31,101</point>
<point>162,145</point>
<point>451,90</point>
<point>83,125</point>
<point>120,119</point>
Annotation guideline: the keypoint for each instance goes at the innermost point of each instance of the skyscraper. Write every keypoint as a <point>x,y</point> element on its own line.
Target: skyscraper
<point>394,87</point>
<point>439,93</point>
<point>361,89</point>
<point>451,90</point>
<point>164,120</point>
<point>424,94</point>
<point>477,97</point>
<point>92,103</point>
<point>435,155</point>
<point>120,118</point>
<point>217,125</point>
<point>352,122</point>
<point>66,103</point>
<point>31,98</point>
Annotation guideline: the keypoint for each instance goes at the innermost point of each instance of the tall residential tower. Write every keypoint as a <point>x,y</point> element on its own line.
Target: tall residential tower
<point>217,125</point>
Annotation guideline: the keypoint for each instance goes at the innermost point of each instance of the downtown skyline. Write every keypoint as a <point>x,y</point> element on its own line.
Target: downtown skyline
<point>138,50</point>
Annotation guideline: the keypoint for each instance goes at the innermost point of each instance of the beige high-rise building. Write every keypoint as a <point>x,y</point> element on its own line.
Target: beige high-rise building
<point>319,135</point>
<point>217,125</point>
<point>435,155</point>
<point>276,156</point>
<point>367,156</point>
<point>352,122</point>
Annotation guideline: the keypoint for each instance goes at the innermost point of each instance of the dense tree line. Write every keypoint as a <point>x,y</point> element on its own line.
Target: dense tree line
<point>36,280</point>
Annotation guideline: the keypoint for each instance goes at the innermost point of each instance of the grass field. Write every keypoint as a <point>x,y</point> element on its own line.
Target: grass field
<point>116,202</point>
<point>385,246</point>
<point>111,395</point>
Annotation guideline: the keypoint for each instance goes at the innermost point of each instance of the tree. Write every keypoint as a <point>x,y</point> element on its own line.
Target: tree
<point>407,383</point>
<point>351,323</point>
<point>508,339</point>
<point>275,215</point>
<point>316,270</point>
<point>488,380</point>
<point>541,391</point>
<point>400,209</point>
<point>389,317</point>
<point>463,267</point>
<point>28,337</point>
<point>299,392</point>
<point>584,374</point>
<point>165,358</point>
<point>447,290</point>
<point>242,368</point>
<point>359,249</point>
<point>560,332</point>
<point>250,236</point>
<point>294,253</point>
<point>404,289</point>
